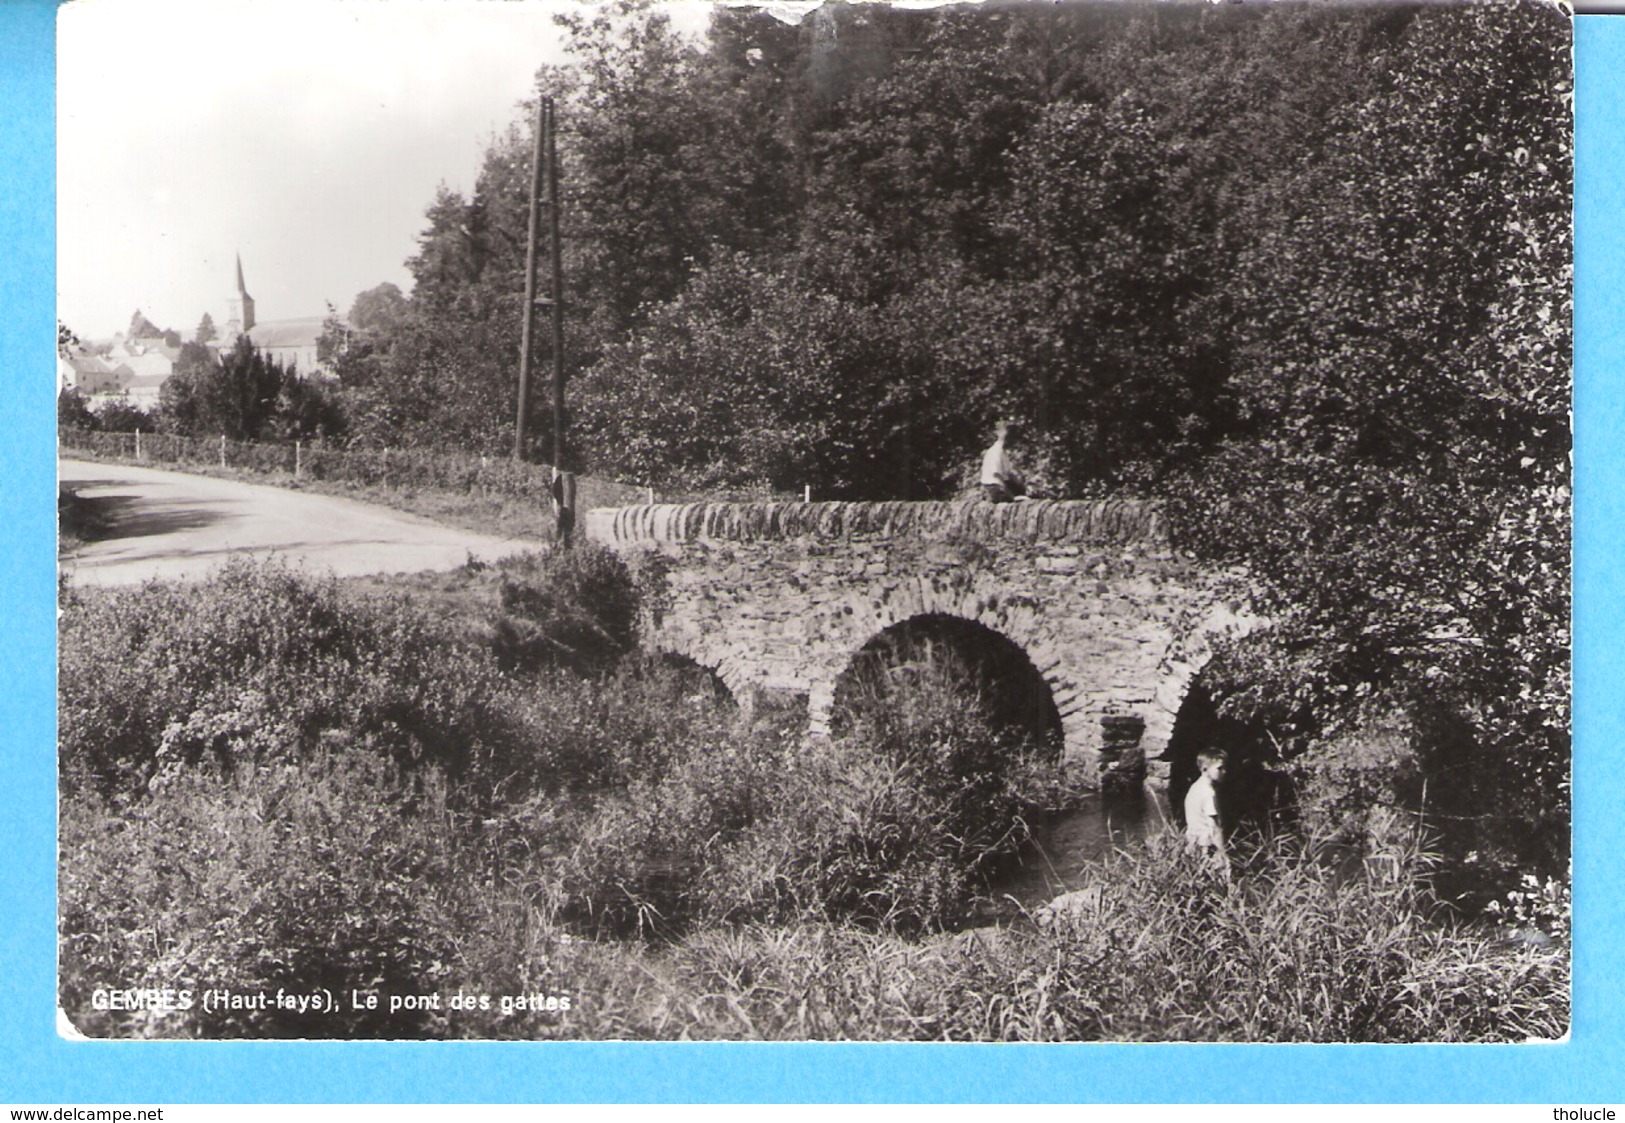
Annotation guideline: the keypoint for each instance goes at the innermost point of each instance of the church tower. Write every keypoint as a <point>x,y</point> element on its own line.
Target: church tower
<point>239,307</point>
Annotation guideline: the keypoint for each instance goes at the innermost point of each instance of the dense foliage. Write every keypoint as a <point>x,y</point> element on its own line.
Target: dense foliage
<point>1303,271</point>
<point>1142,231</point>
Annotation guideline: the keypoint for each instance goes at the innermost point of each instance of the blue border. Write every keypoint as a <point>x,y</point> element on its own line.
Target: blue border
<point>41,1068</point>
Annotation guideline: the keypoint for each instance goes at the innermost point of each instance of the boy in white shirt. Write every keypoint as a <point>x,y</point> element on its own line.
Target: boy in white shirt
<point>1203,831</point>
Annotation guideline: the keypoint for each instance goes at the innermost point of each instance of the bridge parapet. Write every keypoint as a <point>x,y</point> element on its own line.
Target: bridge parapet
<point>1127,522</point>
<point>782,597</point>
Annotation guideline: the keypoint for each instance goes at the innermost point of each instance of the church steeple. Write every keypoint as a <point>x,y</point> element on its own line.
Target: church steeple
<point>239,306</point>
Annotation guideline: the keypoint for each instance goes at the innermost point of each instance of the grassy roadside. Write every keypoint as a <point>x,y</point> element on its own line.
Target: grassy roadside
<point>501,516</point>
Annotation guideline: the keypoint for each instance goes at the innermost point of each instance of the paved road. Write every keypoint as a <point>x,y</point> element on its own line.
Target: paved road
<point>177,526</point>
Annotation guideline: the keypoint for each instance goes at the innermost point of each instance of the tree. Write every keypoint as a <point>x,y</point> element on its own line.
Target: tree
<point>72,411</point>
<point>206,332</point>
<point>235,397</point>
<point>379,310</point>
<point>307,409</point>
<point>1400,482</point>
<point>121,415</point>
<point>143,328</point>
<point>638,151</point>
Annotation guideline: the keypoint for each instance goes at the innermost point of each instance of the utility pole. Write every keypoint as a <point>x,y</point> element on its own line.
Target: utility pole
<point>556,243</point>
<point>529,322</point>
<point>545,155</point>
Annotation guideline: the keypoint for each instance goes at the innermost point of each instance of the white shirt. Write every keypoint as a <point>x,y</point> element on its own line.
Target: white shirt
<point>1202,815</point>
<point>995,465</point>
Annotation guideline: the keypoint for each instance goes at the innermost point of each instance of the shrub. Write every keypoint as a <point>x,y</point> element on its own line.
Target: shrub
<point>262,662</point>
<point>643,860</point>
<point>1393,769</point>
<point>121,415</point>
<point>576,608</point>
<point>642,780</point>
<point>900,820</point>
<point>72,411</point>
<point>78,519</point>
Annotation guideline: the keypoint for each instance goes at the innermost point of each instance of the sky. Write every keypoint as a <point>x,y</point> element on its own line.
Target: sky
<point>309,136</point>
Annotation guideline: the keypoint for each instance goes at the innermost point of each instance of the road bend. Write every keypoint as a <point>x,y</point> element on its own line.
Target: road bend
<point>175,526</point>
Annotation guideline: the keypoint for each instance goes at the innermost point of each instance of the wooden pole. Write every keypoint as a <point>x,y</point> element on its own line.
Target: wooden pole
<point>558,285</point>
<point>543,112</point>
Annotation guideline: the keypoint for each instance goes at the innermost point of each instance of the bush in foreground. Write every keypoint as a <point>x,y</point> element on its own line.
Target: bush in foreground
<point>260,663</point>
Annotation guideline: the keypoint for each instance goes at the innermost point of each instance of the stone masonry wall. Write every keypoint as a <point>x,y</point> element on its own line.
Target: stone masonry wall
<point>781,597</point>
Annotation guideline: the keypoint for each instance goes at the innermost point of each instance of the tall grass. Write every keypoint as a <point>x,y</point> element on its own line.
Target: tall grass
<point>264,663</point>
<point>1163,951</point>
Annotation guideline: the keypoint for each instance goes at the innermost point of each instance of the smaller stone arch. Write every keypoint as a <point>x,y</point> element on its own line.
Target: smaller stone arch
<point>697,677</point>
<point>1181,668</point>
<point>728,673</point>
<point>754,696</point>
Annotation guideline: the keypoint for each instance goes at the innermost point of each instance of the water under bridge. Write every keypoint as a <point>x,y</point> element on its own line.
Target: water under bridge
<point>1109,622</point>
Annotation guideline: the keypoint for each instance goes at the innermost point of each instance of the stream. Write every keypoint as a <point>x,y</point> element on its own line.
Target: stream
<point>1063,848</point>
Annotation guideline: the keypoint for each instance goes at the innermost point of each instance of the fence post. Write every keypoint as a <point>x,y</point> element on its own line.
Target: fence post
<point>222,450</point>
<point>138,444</point>
<point>296,460</point>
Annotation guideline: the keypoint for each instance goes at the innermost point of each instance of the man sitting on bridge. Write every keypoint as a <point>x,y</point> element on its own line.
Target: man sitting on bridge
<point>1000,481</point>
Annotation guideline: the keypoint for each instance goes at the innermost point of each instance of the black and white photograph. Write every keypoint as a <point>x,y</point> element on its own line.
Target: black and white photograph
<point>991,522</point>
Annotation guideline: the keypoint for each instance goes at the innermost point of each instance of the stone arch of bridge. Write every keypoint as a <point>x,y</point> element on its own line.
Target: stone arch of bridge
<point>921,648</point>
<point>699,681</point>
<point>1024,625</point>
<point>1181,667</point>
<point>1014,620</point>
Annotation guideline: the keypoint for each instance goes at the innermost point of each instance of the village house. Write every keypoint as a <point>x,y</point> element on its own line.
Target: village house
<point>128,367</point>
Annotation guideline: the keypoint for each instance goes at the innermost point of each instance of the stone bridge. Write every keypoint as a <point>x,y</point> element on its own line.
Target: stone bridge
<point>785,597</point>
